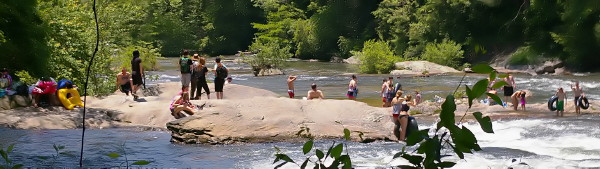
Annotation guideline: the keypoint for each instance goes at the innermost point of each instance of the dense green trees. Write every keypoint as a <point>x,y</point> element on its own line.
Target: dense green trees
<point>56,35</point>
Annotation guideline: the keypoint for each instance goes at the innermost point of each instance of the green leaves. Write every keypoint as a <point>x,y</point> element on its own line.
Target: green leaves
<point>319,154</point>
<point>113,155</point>
<point>482,68</point>
<point>447,114</point>
<point>307,146</point>
<point>141,162</point>
<point>346,134</point>
<point>499,84</point>
<point>495,98</point>
<point>283,157</point>
<point>484,122</point>
<point>337,151</point>
<point>478,89</point>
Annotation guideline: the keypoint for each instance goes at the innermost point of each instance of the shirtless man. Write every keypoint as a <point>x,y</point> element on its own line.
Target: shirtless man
<point>560,105</point>
<point>290,83</point>
<point>124,81</point>
<point>314,93</point>
<point>578,92</point>
<point>510,88</point>
<point>384,88</point>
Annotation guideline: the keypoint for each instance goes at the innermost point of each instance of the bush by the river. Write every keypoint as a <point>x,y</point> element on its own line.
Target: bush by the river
<point>268,55</point>
<point>376,57</point>
<point>446,53</point>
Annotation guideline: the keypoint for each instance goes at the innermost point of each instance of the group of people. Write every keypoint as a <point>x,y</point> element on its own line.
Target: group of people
<point>131,82</point>
<point>562,97</point>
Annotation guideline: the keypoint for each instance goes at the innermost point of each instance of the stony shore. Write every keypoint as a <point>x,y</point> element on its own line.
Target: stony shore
<point>249,115</point>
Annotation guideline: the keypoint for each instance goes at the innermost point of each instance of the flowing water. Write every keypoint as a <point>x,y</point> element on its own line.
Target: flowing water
<point>569,142</point>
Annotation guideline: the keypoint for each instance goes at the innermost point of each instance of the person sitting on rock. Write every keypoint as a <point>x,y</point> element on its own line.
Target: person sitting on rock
<point>182,103</point>
<point>314,93</point>
<point>5,83</point>
<point>44,87</point>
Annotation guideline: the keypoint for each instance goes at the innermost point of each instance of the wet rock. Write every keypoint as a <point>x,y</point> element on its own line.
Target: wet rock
<point>268,72</point>
<point>549,67</point>
<point>336,59</point>
<point>352,60</point>
<point>153,90</point>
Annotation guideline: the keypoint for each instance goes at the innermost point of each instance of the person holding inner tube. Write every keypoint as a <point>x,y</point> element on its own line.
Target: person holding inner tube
<point>560,105</point>
<point>578,92</point>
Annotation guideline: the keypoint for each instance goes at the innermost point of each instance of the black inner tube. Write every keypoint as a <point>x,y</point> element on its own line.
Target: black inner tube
<point>552,103</point>
<point>583,103</point>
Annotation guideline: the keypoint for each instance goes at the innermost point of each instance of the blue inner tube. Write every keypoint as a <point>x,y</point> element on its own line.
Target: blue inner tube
<point>413,126</point>
<point>583,103</point>
<point>552,103</point>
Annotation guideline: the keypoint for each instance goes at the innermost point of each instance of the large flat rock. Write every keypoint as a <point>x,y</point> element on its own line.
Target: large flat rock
<point>417,68</point>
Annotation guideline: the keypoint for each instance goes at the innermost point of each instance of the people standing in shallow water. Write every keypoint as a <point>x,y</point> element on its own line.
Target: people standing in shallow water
<point>560,104</point>
<point>510,88</point>
<point>199,75</point>
<point>221,72</point>
<point>124,81</point>
<point>578,93</point>
<point>352,88</point>
<point>384,88</point>
<point>290,83</point>
<point>314,93</point>
<point>137,71</point>
<point>518,98</point>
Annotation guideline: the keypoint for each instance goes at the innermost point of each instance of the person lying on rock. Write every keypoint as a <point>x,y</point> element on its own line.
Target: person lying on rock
<point>314,93</point>
<point>44,87</point>
<point>182,103</point>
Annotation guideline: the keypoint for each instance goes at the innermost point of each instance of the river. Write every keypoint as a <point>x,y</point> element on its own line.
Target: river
<point>569,142</point>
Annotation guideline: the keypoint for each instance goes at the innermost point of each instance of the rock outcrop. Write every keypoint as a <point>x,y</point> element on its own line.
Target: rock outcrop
<point>549,67</point>
<point>352,60</point>
<point>421,68</point>
<point>268,72</point>
<point>261,119</point>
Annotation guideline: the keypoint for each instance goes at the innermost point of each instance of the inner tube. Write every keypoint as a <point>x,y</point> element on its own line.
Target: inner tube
<point>583,103</point>
<point>412,126</point>
<point>552,103</point>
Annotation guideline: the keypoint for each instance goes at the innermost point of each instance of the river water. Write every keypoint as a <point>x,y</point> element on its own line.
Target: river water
<point>569,142</point>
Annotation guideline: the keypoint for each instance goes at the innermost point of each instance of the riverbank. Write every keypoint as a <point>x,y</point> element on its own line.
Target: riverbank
<point>250,115</point>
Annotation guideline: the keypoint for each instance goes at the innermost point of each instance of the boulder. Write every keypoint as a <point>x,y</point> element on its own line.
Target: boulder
<point>336,59</point>
<point>549,66</point>
<point>418,68</point>
<point>21,101</point>
<point>268,72</point>
<point>5,103</point>
<point>352,60</point>
<point>262,119</point>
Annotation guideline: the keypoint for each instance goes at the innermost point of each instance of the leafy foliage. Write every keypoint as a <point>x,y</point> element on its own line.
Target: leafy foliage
<point>376,57</point>
<point>268,55</point>
<point>447,53</point>
<point>8,163</point>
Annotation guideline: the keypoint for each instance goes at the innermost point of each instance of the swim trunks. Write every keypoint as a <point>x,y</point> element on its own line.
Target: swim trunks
<point>350,94</point>
<point>577,101</point>
<point>291,93</point>
<point>508,90</point>
<point>560,105</point>
<point>126,88</point>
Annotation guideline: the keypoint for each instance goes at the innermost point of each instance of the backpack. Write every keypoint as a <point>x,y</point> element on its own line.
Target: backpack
<point>184,65</point>
<point>221,72</point>
<point>22,90</point>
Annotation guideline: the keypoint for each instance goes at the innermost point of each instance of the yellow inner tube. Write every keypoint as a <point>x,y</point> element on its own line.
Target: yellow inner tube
<point>71,102</point>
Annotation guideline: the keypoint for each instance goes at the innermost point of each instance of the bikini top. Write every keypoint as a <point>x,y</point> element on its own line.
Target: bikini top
<point>405,107</point>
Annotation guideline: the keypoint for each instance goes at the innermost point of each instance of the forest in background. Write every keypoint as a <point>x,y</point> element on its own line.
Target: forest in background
<point>56,37</point>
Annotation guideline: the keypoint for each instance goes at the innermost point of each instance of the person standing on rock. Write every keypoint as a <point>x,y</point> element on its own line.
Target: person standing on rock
<point>193,81</point>
<point>124,81</point>
<point>199,75</point>
<point>384,88</point>
<point>221,72</point>
<point>185,67</point>
<point>314,93</point>
<point>137,71</point>
<point>352,88</point>
<point>578,93</point>
<point>510,88</point>
<point>290,83</point>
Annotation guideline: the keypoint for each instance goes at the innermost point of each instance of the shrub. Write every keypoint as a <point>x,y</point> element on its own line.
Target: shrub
<point>268,55</point>
<point>447,53</point>
<point>376,57</point>
<point>523,56</point>
<point>148,53</point>
<point>25,77</point>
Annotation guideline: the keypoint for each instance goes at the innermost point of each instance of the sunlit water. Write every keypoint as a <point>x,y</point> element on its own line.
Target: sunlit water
<point>570,142</point>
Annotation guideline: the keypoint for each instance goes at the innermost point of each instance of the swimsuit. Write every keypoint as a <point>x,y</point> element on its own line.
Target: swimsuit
<point>560,105</point>
<point>508,90</point>
<point>577,101</point>
<point>291,93</point>
<point>523,100</point>
<point>396,108</point>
